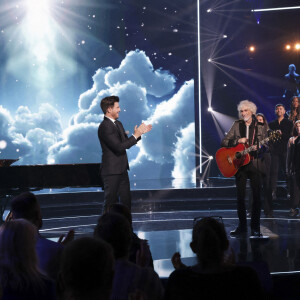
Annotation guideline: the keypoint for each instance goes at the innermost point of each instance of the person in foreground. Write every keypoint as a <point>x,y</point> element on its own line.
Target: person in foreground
<point>19,273</point>
<point>114,142</point>
<point>87,270</point>
<point>130,279</point>
<point>248,131</point>
<point>26,206</point>
<point>211,277</point>
<point>139,252</point>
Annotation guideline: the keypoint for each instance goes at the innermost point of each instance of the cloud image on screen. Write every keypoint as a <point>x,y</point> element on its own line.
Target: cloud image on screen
<point>50,111</point>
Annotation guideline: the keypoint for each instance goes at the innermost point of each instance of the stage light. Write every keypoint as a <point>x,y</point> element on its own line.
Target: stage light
<point>275,8</point>
<point>224,36</point>
<point>297,46</point>
<point>209,60</point>
<point>210,109</point>
<point>209,10</point>
<point>224,84</point>
<point>211,157</point>
<point>288,47</point>
<point>3,144</point>
<point>252,48</point>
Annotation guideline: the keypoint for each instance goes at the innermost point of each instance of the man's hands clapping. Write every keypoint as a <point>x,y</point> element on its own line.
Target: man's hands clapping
<point>143,128</point>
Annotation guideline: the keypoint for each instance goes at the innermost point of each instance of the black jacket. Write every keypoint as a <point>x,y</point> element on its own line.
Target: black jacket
<point>114,143</point>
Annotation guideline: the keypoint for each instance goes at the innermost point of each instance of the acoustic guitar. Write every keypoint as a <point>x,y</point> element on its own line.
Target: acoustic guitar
<point>229,160</point>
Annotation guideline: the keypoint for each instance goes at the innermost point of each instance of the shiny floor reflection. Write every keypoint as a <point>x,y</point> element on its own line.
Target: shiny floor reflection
<point>168,232</point>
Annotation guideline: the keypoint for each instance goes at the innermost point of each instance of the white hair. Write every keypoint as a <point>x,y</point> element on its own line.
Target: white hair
<point>247,104</point>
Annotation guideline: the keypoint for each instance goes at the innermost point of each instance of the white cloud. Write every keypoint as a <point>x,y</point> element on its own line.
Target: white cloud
<point>16,144</point>
<point>86,98</point>
<point>133,103</point>
<point>47,118</point>
<point>40,141</point>
<point>167,120</point>
<point>184,157</point>
<point>137,68</point>
<point>80,145</point>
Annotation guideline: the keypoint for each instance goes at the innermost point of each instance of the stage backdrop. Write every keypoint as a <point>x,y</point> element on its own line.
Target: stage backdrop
<point>60,58</point>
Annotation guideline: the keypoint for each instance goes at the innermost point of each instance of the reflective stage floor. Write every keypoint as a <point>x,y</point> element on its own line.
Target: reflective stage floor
<point>165,219</point>
<point>168,232</point>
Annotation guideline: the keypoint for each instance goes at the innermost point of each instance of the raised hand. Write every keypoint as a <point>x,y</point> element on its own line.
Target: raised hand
<point>176,261</point>
<point>69,237</point>
<point>143,128</point>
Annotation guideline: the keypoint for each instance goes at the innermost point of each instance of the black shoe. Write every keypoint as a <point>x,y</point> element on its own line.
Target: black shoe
<point>258,235</point>
<point>239,231</point>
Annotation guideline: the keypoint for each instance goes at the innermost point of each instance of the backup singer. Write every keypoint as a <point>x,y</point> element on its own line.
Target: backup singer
<point>293,168</point>
<point>247,131</point>
<point>114,142</point>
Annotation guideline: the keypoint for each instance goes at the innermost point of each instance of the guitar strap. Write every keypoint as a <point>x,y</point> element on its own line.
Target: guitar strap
<point>243,131</point>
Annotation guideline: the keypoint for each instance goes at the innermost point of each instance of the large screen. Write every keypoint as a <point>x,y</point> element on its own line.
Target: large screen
<point>60,58</point>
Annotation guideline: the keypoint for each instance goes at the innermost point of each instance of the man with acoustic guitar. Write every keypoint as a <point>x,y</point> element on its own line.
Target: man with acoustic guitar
<point>247,132</point>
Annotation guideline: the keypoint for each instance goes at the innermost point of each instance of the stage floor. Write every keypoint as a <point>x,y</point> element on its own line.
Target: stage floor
<point>168,232</point>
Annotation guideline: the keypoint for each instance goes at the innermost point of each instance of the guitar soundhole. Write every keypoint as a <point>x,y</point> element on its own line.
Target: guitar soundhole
<point>238,155</point>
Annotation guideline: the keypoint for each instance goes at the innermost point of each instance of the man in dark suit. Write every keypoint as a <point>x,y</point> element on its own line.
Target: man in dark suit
<point>114,142</point>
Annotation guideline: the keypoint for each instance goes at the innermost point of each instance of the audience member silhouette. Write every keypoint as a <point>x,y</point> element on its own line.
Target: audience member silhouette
<point>139,251</point>
<point>130,279</point>
<point>26,206</point>
<point>87,270</point>
<point>211,278</point>
<point>19,274</point>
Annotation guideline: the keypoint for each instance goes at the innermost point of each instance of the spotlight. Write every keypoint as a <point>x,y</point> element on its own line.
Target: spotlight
<point>210,109</point>
<point>210,157</point>
<point>3,144</point>
<point>252,48</point>
<point>297,46</point>
<point>288,47</point>
<point>209,10</point>
<point>224,84</point>
<point>209,60</point>
<point>224,36</point>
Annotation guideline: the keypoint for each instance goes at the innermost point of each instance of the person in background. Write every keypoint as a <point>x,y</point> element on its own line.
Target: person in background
<point>294,113</point>
<point>20,276</point>
<point>268,207</point>
<point>293,169</point>
<point>292,83</point>
<point>278,149</point>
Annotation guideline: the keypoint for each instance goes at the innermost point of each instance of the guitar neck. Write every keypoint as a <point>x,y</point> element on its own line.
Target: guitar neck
<point>252,148</point>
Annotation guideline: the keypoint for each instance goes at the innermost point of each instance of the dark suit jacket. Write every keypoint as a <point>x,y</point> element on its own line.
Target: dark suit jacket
<point>114,145</point>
